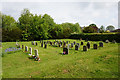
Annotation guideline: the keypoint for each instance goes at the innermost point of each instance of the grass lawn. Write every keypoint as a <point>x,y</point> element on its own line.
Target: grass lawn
<point>100,63</point>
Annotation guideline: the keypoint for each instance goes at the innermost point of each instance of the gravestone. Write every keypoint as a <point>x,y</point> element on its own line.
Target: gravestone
<point>65,50</point>
<point>68,46</point>
<point>80,39</point>
<point>45,45</point>
<point>94,46</point>
<point>60,45</point>
<point>26,48</point>
<point>64,45</point>
<point>30,50</point>
<point>72,44</point>
<point>22,46</point>
<point>84,48</point>
<point>41,44</point>
<point>67,42</point>
<point>36,53</point>
<point>81,43</point>
<point>88,45</point>
<point>107,41</point>
<point>36,43</point>
<point>113,41</point>
<point>51,43</point>
<point>76,47</point>
<point>100,44</point>
<point>32,43</point>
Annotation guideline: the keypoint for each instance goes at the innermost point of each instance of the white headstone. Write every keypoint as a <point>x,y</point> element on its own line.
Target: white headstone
<point>36,53</point>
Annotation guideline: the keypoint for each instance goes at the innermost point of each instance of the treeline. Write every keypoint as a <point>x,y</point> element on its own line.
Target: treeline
<point>35,27</point>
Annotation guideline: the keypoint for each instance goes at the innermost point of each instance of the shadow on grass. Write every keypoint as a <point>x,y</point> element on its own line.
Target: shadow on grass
<point>62,54</point>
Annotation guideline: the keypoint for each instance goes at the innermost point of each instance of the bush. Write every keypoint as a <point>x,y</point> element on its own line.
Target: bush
<point>97,37</point>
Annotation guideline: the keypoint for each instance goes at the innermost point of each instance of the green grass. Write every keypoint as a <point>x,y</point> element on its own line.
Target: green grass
<point>100,63</point>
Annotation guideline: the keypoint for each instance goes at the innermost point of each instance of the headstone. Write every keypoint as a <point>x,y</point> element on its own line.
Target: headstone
<point>51,43</point>
<point>36,43</point>
<point>78,44</point>
<point>94,46</point>
<point>81,43</point>
<point>76,47</point>
<point>100,44</point>
<point>68,46</point>
<point>88,45</point>
<point>41,44</point>
<point>26,48</point>
<point>22,46</point>
<point>113,41</point>
<point>107,41</point>
<point>84,48</point>
<point>60,45</point>
<point>80,39</point>
<point>67,42</point>
<point>32,43</point>
<point>65,50</point>
<point>36,53</point>
<point>72,44</point>
<point>30,50</point>
<point>45,45</point>
<point>40,41</point>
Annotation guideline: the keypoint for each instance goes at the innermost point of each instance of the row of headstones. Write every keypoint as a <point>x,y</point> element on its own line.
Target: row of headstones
<point>30,49</point>
<point>42,44</point>
<point>85,48</point>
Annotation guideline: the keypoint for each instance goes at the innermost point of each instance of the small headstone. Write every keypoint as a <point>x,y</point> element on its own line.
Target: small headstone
<point>113,41</point>
<point>81,43</point>
<point>41,44</point>
<point>72,44</point>
<point>30,50</point>
<point>67,42</point>
<point>26,48</point>
<point>60,45</point>
<point>68,46</point>
<point>88,45</point>
<point>84,48</point>
<point>100,44</point>
<point>22,46</point>
<point>36,53</point>
<point>76,47</point>
<point>65,50</point>
<point>45,45</point>
<point>32,43</point>
<point>107,41</point>
<point>36,43</point>
<point>94,46</point>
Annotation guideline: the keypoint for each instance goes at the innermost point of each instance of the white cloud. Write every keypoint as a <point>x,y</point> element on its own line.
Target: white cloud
<point>85,13</point>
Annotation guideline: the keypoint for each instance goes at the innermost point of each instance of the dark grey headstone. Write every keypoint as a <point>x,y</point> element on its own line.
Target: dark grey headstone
<point>88,45</point>
<point>45,45</point>
<point>94,46</point>
<point>22,46</point>
<point>72,44</point>
<point>66,50</point>
<point>84,48</point>
<point>100,44</point>
<point>81,43</point>
<point>41,44</point>
<point>76,47</point>
<point>36,44</point>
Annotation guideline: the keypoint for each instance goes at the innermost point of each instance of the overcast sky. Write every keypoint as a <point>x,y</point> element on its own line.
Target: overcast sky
<point>84,13</point>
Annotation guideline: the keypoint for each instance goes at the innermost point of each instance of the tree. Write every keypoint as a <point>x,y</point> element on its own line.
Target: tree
<point>102,29</point>
<point>24,23</point>
<point>110,28</point>
<point>94,27</point>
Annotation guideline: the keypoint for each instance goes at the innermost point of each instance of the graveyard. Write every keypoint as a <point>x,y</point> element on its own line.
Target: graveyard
<point>60,58</point>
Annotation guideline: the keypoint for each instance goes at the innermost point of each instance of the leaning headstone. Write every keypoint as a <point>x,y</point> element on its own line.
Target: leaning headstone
<point>81,43</point>
<point>26,48</point>
<point>88,45</point>
<point>30,50</point>
<point>107,41</point>
<point>100,44</point>
<point>22,46</point>
<point>36,53</point>
<point>76,47</point>
<point>45,45</point>
<point>65,50</point>
<point>84,48</point>
<point>94,46</point>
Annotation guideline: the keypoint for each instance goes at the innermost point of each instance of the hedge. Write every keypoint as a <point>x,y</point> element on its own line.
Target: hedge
<point>97,37</point>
